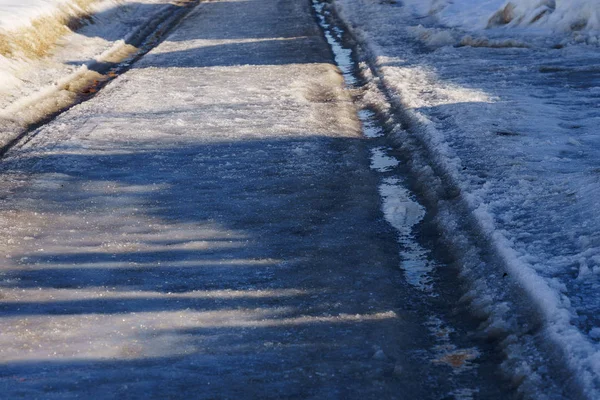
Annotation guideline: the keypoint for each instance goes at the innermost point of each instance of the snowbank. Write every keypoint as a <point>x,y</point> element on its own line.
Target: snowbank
<point>561,16</point>
<point>503,137</point>
<point>30,30</point>
<point>466,14</point>
<point>555,15</point>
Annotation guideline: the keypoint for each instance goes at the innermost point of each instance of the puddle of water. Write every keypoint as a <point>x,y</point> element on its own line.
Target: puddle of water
<point>342,55</point>
<point>403,213</point>
<point>371,128</point>
<point>399,208</point>
<point>380,161</point>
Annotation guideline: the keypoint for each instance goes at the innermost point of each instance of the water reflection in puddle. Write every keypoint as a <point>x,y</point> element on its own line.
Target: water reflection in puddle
<point>342,55</point>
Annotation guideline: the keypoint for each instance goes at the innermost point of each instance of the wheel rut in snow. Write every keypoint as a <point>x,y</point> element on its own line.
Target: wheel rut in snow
<point>425,260</point>
<point>530,320</point>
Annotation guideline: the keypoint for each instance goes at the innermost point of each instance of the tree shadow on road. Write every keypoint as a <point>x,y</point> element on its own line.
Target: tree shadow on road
<point>244,246</point>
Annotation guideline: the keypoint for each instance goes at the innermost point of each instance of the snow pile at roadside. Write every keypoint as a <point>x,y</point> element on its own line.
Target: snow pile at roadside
<point>560,16</point>
<point>504,141</point>
<point>466,14</point>
<point>30,30</point>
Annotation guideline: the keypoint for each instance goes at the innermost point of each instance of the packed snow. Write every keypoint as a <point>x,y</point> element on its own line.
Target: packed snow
<point>500,120</point>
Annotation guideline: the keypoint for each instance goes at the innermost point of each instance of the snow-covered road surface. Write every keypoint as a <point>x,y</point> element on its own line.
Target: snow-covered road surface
<point>209,226</point>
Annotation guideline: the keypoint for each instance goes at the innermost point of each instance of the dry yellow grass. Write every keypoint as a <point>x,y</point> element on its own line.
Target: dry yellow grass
<point>5,48</point>
<point>40,37</point>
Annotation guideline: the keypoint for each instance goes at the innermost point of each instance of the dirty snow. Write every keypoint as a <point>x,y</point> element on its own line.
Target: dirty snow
<point>503,129</point>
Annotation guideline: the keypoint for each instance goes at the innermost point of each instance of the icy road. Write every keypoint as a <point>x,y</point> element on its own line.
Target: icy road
<point>216,224</point>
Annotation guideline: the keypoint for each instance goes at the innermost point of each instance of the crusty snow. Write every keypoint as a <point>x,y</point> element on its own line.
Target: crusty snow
<point>22,76</point>
<point>580,18</point>
<point>502,123</point>
<point>33,86</point>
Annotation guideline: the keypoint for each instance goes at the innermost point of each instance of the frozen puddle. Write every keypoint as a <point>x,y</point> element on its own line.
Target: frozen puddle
<point>403,213</point>
<point>380,161</point>
<point>370,128</point>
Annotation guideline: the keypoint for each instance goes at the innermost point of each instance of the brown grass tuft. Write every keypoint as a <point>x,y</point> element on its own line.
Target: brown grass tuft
<point>5,47</point>
<point>457,359</point>
<point>40,37</point>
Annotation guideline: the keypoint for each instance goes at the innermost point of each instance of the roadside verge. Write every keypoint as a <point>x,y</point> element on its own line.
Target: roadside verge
<point>119,36</point>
